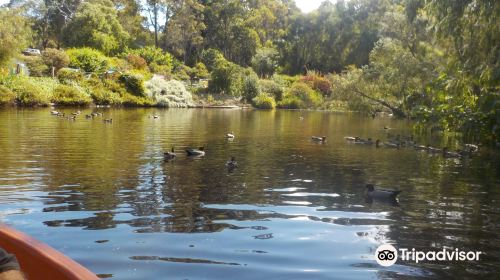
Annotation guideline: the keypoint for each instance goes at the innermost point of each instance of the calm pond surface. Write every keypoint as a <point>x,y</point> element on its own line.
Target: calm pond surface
<point>102,194</point>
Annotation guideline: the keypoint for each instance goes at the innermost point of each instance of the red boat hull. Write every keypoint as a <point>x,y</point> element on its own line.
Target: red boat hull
<point>40,261</point>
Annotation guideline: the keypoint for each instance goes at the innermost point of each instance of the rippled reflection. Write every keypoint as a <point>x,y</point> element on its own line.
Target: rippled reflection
<point>292,209</point>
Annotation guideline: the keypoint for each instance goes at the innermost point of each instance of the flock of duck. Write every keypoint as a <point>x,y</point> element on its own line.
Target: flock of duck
<point>395,142</point>
<point>73,116</point>
<point>231,164</point>
<point>398,142</point>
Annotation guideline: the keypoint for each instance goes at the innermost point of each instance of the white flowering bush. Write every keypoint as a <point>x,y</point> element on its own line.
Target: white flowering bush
<point>170,94</point>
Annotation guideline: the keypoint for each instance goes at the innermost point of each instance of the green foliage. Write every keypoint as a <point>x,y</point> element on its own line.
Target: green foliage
<point>33,91</point>
<point>263,101</point>
<point>210,57</point>
<point>14,33</point>
<point>291,102</point>
<point>153,55</point>
<point>200,71</point>
<point>250,86</point>
<point>132,100</point>
<point>133,83</point>
<point>272,87</point>
<point>103,96</point>
<point>87,59</point>
<point>265,62</point>
<point>183,73</point>
<point>70,95</point>
<point>169,94</point>
<point>36,66</point>
<point>300,95</point>
<point>96,25</point>
<point>6,95</point>
<point>55,58</point>
<point>69,76</point>
<point>225,78</point>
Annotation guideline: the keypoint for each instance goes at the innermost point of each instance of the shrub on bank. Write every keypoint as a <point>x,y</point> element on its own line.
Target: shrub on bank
<point>250,85</point>
<point>33,91</point>
<point>291,102</point>
<point>168,93</point>
<point>273,88</point>
<point>307,97</point>
<point>70,95</point>
<point>103,96</point>
<point>69,76</point>
<point>55,58</point>
<point>264,101</point>
<point>36,66</point>
<point>134,83</point>
<point>87,59</point>
<point>133,101</point>
<point>6,96</point>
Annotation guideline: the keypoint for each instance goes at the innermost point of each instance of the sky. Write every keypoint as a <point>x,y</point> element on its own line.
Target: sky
<point>305,5</point>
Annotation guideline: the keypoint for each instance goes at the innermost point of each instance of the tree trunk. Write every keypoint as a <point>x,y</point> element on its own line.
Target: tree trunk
<point>396,111</point>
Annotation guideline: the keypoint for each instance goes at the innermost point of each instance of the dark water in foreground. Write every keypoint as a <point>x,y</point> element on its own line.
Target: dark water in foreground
<point>102,194</point>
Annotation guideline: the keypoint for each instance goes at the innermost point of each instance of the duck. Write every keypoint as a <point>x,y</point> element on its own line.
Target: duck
<point>76,113</point>
<point>448,154</point>
<point>195,152</point>
<point>432,150</point>
<point>471,147</point>
<point>364,142</point>
<point>351,138</point>
<point>378,144</point>
<point>230,135</point>
<point>232,164</point>
<point>156,117</point>
<point>381,193</point>
<point>88,116</point>
<point>420,147</point>
<point>387,128</point>
<point>108,120</point>
<point>321,139</point>
<point>55,113</point>
<point>170,155</point>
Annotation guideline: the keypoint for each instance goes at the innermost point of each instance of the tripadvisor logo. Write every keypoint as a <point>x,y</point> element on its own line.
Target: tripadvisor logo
<point>387,255</point>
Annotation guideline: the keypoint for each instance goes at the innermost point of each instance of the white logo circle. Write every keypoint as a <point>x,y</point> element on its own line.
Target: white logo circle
<point>386,255</point>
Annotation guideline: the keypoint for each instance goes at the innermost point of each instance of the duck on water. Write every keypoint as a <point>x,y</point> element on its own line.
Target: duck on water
<point>371,192</point>
<point>195,152</point>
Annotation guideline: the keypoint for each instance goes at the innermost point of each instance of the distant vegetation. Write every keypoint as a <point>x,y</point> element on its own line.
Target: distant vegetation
<point>432,61</point>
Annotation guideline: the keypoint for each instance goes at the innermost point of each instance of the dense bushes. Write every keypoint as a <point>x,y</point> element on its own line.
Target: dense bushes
<point>70,95</point>
<point>210,58</point>
<point>272,87</point>
<point>55,58</point>
<point>300,96</point>
<point>35,66</point>
<point>33,91</point>
<point>68,76</point>
<point>224,78</point>
<point>250,85</point>
<point>263,101</point>
<point>137,61</point>
<point>168,93</point>
<point>87,59</point>
<point>6,95</point>
<point>155,56</point>
<point>134,83</point>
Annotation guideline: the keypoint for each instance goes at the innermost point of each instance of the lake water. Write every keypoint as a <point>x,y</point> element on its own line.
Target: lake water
<point>102,194</point>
